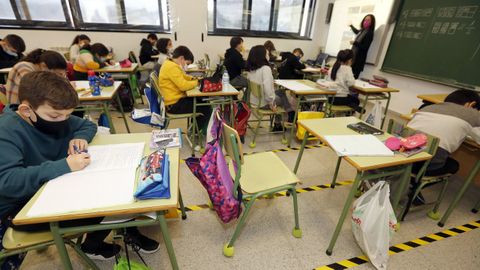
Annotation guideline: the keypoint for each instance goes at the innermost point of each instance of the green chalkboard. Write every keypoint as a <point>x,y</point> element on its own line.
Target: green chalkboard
<point>437,40</point>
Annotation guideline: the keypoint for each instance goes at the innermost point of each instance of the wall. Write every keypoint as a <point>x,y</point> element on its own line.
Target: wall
<point>190,19</point>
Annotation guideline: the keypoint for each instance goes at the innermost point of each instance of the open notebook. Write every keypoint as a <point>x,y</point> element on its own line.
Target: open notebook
<point>109,180</point>
<point>358,145</point>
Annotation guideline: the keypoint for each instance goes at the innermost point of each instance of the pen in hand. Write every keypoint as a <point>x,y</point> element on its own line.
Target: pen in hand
<point>77,151</point>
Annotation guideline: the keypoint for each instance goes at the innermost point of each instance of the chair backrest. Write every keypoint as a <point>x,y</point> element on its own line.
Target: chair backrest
<point>132,57</point>
<point>157,67</point>
<point>154,82</point>
<point>399,129</point>
<point>256,90</point>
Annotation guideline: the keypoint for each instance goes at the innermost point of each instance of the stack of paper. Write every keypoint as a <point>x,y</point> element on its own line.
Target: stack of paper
<point>109,180</point>
<point>358,145</point>
<point>362,84</point>
<point>294,85</point>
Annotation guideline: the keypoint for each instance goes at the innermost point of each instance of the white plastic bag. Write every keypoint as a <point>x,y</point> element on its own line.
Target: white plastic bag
<point>373,223</point>
<point>374,118</point>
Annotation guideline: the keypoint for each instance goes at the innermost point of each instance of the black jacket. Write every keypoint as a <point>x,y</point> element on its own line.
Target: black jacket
<point>290,67</point>
<point>360,48</point>
<point>7,60</point>
<point>234,63</point>
<point>147,51</point>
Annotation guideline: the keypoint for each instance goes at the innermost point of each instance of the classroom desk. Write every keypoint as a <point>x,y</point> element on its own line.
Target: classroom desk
<point>224,97</point>
<point>438,98</point>
<point>101,102</point>
<point>368,168</point>
<point>5,72</point>
<point>372,92</point>
<point>156,56</point>
<point>301,97</point>
<point>160,206</point>
<point>129,72</point>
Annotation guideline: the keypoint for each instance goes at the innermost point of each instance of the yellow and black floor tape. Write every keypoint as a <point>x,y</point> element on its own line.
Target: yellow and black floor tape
<point>422,241</point>
<point>278,194</point>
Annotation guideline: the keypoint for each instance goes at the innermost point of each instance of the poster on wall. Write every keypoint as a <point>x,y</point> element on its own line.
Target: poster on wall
<point>346,12</point>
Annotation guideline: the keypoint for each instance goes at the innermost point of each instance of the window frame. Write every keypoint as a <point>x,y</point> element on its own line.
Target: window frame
<point>74,21</point>
<point>18,22</point>
<point>124,27</point>
<point>247,19</point>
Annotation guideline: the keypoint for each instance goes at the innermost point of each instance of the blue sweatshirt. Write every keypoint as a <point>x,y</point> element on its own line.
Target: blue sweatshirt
<point>29,158</point>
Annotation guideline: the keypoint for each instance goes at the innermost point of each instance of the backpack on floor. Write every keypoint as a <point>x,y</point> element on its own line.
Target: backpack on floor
<point>125,94</point>
<point>213,172</point>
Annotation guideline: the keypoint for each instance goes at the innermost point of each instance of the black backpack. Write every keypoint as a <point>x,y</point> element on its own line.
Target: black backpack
<point>125,94</point>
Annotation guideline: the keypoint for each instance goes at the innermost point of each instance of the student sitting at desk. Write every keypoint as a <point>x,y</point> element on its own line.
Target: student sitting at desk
<point>78,42</point>
<point>11,51</point>
<point>91,57</point>
<point>36,60</point>
<point>341,73</point>
<point>234,62</point>
<point>41,140</point>
<point>291,66</point>
<point>165,49</point>
<point>174,82</point>
<point>259,72</point>
<point>272,52</point>
<point>450,121</point>
<point>147,50</point>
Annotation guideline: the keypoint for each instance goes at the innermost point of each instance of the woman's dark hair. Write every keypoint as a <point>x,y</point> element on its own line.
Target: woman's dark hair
<point>183,51</point>
<point>152,36</point>
<point>97,48</point>
<point>16,42</point>
<point>269,46</point>
<point>52,59</point>
<point>372,24</point>
<point>342,57</point>
<point>235,41</point>
<point>257,58</point>
<point>77,39</point>
<point>463,96</point>
<point>162,45</point>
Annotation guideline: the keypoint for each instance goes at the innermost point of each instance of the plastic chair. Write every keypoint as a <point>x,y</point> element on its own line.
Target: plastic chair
<point>16,242</point>
<point>335,110</point>
<point>396,128</point>
<point>255,181</point>
<point>256,90</point>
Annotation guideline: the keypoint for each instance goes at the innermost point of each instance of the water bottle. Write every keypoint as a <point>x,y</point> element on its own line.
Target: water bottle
<point>96,87</point>
<point>225,78</point>
<point>91,79</point>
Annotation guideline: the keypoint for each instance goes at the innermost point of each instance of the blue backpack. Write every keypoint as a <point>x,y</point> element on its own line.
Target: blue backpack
<point>155,115</point>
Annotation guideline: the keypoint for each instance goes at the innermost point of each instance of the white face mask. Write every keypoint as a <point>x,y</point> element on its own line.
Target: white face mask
<point>9,52</point>
<point>103,59</point>
<point>170,51</point>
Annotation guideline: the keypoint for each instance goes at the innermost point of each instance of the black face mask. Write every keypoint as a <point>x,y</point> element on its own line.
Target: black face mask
<point>50,127</point>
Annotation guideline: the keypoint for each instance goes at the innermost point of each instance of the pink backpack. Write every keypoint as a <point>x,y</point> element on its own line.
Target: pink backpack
<point>212,171</point>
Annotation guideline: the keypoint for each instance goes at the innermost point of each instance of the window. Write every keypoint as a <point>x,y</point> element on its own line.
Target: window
<point>46,13</point>
<point>116,15</point>
<point>272,18</point>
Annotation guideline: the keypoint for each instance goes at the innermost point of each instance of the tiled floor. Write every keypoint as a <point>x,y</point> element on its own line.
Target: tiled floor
<point>266,241</point>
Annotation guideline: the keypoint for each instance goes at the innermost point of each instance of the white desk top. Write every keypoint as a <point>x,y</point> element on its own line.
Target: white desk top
<point>106,93</point>
<point>226,91</point>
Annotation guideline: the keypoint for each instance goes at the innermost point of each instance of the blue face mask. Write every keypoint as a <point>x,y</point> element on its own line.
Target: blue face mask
<point>299,57</point>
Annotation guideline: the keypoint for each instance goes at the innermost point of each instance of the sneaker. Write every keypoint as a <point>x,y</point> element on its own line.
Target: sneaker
<point>141,242</point>
<point>104,252</point>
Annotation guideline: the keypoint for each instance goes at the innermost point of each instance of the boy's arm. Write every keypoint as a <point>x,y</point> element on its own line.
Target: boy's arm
<point>177,77</point>
<point>18,181</point>
<point>82,128</point>
<point>475,134</point>
<point>298,65</point>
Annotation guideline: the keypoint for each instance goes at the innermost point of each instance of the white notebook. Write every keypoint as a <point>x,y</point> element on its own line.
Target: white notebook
<point>109,180</point>
<point>358,145</point>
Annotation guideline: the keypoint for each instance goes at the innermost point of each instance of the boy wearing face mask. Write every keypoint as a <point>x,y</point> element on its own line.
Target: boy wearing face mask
<point>291,66</point>
<point>41,140</point>
<point>91,57</point>
<point>174,83</point>
<point>234,62</point>
<point>11,50</point>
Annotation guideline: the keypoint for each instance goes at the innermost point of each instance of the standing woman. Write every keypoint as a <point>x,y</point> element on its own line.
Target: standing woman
<point>362,42</point>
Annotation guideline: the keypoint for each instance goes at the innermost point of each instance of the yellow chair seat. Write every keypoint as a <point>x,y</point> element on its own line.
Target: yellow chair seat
<point>14,239</point>
<point>263,171</point>
<point>338,108</point>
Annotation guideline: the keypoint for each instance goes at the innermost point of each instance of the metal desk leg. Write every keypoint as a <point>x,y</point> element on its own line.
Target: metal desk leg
<point>60,244</point>
<point>297,97</point>
<point>300,153</point>
<point>122,112</point>
<point>364,106</point>
<point>386,109</point>
<point>345,210</point>
<point>454,203</point>
<point>401,189</point>
<point>232,116</point>
<point>335,175</point>
<point>194,126</point>
<point>167,240</point>
<point>109,117</point>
